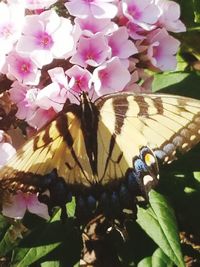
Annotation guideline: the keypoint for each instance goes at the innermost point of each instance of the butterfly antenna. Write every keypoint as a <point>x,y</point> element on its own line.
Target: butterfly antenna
<point>74,93</point>
<point>60,103</point>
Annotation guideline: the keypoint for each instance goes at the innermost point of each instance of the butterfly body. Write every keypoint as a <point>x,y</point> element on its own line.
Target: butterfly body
<point>97,148</point>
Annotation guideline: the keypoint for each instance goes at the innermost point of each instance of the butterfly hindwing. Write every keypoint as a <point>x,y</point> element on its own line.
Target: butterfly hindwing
<point>165,123</point>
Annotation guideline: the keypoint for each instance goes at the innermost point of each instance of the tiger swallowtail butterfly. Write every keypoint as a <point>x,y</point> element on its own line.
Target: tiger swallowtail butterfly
<point>103,152</point>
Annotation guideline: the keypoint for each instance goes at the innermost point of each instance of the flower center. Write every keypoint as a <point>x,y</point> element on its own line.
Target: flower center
<point>25,67</point>
<point>134,11</point>
<point>6,31</point>
<point>44,40</point>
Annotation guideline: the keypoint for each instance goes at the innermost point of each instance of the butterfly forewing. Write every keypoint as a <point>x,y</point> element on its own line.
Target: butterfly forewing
<point>58,146</point>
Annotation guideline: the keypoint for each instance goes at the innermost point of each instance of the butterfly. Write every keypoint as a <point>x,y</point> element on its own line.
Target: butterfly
<point>103,152</point>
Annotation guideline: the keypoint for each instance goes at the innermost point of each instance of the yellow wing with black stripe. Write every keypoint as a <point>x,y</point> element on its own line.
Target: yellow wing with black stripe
<point>165,123</point>
<point>60,145</point>
<point>125,123</point>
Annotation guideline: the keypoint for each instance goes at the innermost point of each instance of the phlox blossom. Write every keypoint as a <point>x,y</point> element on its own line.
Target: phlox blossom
<point>11,21</point>
<point>34,4</point>
<point>141,12</point>
<point>91,25</point>
<point>97,8</point>
<point>24,97</point>
<point>51,37</point>
<point>170,14</point>
<point>110,77</point>
<point>91,51</point>
<point>162,49</point>
<point>40,117</point>
<point>58,76</point>
<point>23,69</point>
<point>79,79</point>
<point>19,203</point>
<point>6,148</point>
<point>34,106</point>
<point>120,45</point>
<point>135,31</point>
<point>78,82</point>
<point>51,96</point>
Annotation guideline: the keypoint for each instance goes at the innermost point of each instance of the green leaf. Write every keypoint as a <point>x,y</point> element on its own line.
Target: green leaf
<point>188,11</point>
<point>158,259</point>
<point>180,83</point>
<point>197,176</point>
<point>164,80</point>
<point>12,238</point>
<point>197,11</point>
<point>51,264</point>
<point>38,244</point>
<point>4,224</point>
<point>43,240</point>
<point>145,262</point>
<point>159,222</point>
<point>25,257</point>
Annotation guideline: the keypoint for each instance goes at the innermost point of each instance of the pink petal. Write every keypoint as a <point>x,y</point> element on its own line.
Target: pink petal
<point>52,96</point>
<point>110,77</point>
<point>78,8</point>
<point>26,44</point>
<point>167,63</point>
<point>36,207</point>
<point>40,117</point>
<point>91,51</point>
<point>121,46</point>
<point>6,152</point>
<point>103,10</point>
<point>15,208</point>
<point>41,57</point>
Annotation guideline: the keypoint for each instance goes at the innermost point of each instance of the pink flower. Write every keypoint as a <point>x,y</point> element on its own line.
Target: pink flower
<point>51,96</point>
<point>170,14</point>
<point>120,45</point>
<point>133,85</point>
<point>40,117</point>
<point>110,77</point>
<point>135,31</point>
<point>34,105</point>
<point>34,4</point>
<point>6,148</point>
<point>11,21</point>
<point>141,12</point>
<point>23,69</point>
<point>80,79</point>
<point>91,25</point>
<point>58,76</point>
<point>91,51</point>
<point>43,41</point>
<point>97,8</point>
<point>24,97</point>
<point>18,205</point>
<point>162,49</point>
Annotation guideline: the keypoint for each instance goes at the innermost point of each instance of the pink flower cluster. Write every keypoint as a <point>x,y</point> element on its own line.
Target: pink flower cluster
<point>100,46</point>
